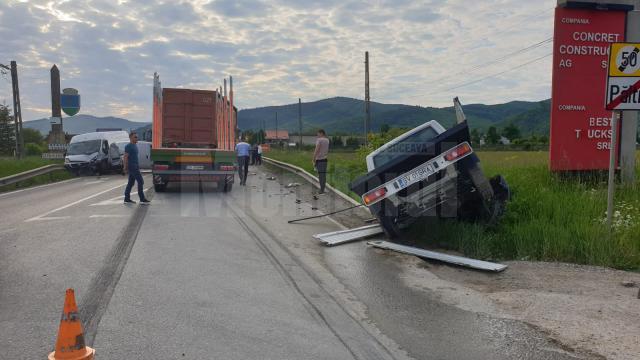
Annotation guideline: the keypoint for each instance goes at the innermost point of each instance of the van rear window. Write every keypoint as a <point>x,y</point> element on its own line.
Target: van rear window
<point>415,143</point>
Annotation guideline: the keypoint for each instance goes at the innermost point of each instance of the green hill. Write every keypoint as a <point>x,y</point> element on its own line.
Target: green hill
<point>346,115</point>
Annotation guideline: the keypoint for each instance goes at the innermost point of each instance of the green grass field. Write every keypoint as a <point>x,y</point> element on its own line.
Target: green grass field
<point>549,218</point>
<point>10,166</point>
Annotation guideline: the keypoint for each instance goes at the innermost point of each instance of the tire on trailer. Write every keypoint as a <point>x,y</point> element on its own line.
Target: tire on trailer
<point>227,187</point>
<point>160,187</point>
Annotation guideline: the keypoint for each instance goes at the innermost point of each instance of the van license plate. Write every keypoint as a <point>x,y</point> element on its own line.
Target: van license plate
<point>415,176</point>
<point>195,167</point>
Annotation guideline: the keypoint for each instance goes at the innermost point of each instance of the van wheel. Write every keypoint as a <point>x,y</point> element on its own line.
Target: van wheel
<point>160,187</point>
<point>387,218</point>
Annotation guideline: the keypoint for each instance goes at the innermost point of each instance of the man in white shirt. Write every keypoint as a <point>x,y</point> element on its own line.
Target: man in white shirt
<point>259,154</point>
<point>242,150</point>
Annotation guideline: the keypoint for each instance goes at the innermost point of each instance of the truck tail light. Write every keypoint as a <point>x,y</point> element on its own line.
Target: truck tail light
<point>458,152</point>
<point>160,167</point>
<point>227,168</point>
<point>373,196</point>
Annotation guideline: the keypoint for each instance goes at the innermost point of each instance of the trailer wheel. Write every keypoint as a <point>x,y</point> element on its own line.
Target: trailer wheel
<point>160,187</point>
<point>227,187</point>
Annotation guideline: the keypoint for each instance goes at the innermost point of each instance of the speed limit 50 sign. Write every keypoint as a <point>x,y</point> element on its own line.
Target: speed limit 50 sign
<point>623,82</point>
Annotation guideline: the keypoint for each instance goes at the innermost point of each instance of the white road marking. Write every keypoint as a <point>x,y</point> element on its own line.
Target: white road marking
<point>108,216</point>
<point>49,218</point>
<point>94,182</point>
<point>38,187</point>
<point>73,203</point>
<point>5,231</point>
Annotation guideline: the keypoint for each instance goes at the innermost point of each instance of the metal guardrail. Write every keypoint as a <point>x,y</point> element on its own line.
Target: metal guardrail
<point>12,179</point>
<point>311,178</point>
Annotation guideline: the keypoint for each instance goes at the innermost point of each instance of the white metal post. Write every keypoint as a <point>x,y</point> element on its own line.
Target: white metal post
<point>612,167</point>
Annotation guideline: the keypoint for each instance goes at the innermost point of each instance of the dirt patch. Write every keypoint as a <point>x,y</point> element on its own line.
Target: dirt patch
<point>583,307</point>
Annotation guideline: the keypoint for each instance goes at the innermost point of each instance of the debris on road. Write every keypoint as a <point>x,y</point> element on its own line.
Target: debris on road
<point>271,178</point>
<point>628,284</point>
<point>290,185</point>
<point>432,255</point>
<point>344,236</point>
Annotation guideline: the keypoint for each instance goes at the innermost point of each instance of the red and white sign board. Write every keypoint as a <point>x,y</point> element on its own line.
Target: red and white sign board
<point>580,125</point>
<point>623,82</point>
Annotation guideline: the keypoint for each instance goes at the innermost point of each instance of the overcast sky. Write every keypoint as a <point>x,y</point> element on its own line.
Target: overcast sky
<point>421,52</point>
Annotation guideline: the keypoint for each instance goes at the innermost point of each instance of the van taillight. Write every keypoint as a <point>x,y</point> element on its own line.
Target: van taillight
<point>160,167</point>
<point>371,197</point>
<point>227,168</point>
<point>458,152</point>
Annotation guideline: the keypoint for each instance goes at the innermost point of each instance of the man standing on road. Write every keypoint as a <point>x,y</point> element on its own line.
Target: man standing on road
<point>259,154</point>
<point>242,150</point>
<point>132,168</point>
<point>320,158</point>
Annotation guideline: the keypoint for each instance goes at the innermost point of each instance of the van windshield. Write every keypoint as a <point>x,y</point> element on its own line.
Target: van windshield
<point>412,144</point>
<point>84,147</point>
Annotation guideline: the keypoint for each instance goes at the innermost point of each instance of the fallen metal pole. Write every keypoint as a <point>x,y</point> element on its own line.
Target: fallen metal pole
<point>427,254</point>
<point>344,236</point>
<point>323,215</point>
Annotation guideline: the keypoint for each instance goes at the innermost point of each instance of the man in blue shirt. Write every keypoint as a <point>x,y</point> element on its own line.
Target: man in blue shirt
<point>242,150</point>
<point>132,167</point>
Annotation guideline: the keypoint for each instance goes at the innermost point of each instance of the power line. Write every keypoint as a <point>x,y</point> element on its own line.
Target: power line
<point>495,61</point>
<point>493,75</point>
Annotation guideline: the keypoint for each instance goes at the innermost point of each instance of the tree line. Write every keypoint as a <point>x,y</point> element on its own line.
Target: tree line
<point>34,142</point>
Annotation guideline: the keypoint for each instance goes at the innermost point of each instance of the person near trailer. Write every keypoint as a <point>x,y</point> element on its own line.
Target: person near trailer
<point>132,168</point>
<point>259,154</point>
<point>243,151</point>
<point>320,158</point>
<point>254,154</point>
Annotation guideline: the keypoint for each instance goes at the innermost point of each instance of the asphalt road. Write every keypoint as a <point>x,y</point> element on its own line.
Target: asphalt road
<point>204,274</point>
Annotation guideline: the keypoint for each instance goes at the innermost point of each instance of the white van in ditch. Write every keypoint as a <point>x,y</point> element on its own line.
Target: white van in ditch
<point>95,152</point>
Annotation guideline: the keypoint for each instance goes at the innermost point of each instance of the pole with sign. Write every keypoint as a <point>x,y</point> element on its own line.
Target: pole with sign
<point>623,93</point>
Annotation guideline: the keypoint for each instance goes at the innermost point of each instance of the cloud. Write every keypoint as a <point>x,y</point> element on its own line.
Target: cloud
<point>276,50</point>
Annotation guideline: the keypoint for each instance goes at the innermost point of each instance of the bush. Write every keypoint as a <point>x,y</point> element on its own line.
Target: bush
<point>33,149</point>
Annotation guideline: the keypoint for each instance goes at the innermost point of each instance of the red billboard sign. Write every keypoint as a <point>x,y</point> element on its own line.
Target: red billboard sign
<point>580,125</point>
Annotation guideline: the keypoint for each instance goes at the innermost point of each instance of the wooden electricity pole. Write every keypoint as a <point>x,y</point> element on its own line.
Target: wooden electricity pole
<point>17,109</point>
<point>300,123</point>
<point>367,105</point>
<point>277,139</point>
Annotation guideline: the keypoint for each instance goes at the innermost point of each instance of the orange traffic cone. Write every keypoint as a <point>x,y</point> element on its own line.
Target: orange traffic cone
<point>70,344</point>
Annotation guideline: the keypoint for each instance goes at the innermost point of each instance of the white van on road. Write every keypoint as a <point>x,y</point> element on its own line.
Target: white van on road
<point>96,152</point>
<point>144,153</point>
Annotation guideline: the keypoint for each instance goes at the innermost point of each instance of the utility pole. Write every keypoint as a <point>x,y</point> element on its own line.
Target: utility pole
<point>367,105</point>
<point>300,123</point>
<point>277,139</point>
<point>17,110</point>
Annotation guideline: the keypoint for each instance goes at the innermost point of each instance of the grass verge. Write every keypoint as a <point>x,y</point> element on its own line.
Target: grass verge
<point>550,218</point>
<point>10,166</point>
